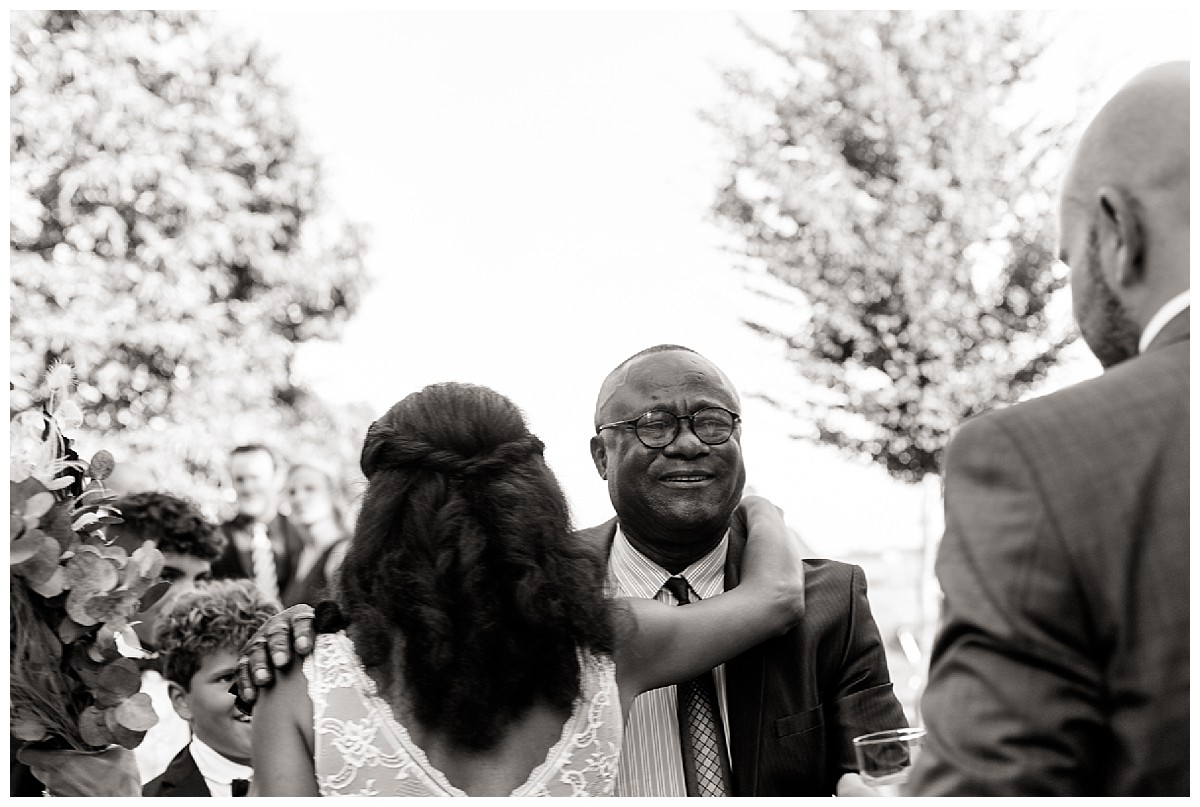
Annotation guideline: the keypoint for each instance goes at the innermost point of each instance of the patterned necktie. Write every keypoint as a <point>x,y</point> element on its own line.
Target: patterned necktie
<point>701,735</point>
<point>263,556</point>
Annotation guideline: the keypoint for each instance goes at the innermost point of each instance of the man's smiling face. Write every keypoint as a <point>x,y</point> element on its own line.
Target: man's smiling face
<point>686,491</point>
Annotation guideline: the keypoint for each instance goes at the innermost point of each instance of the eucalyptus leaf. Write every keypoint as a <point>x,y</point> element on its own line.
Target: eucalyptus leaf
<point>94,729</point>
<point>69,630</point>
<point>102,465</point>
<point>52,586</point>
<point>27,729</point>
<point>28,546</point>
<point>137,713</point>
<point>90,572</point>
<point>153,595</point>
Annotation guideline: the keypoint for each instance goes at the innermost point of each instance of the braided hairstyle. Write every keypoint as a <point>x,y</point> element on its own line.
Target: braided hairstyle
<point>463,575</point>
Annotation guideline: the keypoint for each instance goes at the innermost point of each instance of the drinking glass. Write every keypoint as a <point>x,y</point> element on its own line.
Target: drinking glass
<point>885,757</point>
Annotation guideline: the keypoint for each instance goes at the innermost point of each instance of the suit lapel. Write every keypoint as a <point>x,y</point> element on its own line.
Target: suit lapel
<point>183,777</point>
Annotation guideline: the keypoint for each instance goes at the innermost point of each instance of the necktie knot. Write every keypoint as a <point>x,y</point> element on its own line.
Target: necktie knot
<point>678,586</point>
<point>240,787</point>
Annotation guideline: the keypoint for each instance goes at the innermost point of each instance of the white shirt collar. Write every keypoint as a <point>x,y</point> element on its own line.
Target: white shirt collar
<point>636,575</point>
<point>1168,312</point>
<point>218,771</point>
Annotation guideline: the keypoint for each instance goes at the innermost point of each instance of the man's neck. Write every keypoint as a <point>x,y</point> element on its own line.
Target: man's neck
<point>674,556</point>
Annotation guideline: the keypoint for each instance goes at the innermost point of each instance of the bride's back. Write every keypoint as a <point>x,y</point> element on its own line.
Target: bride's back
<point>463,581</point>
<point>366,742</point>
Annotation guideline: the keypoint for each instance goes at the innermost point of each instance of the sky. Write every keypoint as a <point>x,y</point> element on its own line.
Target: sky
<point>536,188</point>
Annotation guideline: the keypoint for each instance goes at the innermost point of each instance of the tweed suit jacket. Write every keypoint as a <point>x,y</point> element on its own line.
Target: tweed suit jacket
<point>181,778</point>
<point>797,700</point>
<point>1062,662</point>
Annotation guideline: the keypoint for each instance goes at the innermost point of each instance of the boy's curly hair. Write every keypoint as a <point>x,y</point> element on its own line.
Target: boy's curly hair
<point>463,574</point>
<point>214,616</point>
<point>174,524</point>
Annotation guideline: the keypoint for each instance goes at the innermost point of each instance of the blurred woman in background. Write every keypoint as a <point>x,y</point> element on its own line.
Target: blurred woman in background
<point>315,500</point>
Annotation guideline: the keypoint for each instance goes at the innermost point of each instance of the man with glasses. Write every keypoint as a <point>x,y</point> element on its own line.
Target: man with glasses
<point>779,719</point>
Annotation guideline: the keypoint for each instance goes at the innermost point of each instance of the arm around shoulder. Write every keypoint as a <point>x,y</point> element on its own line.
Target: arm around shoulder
<point>284,738</point>
<point>662,644</point>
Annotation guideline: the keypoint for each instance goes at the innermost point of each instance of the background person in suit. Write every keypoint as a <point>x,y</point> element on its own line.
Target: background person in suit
<point>256,477</point>
<point>199,638</point>
<point>791,705</point>
<point>1062,663</point>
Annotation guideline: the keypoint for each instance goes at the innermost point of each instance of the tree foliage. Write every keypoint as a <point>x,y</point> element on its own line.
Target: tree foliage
<point>882,170</point>
<point>169,237</point>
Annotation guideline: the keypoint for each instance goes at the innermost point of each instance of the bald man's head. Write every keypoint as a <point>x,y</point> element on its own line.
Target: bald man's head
<point>1124,216</point>
<point>1139,139</point>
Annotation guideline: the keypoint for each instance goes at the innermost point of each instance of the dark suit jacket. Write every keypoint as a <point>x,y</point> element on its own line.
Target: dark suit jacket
<point>1062,663</point>
<point>796,701</point>
<point>235,563</point>
<point>181,778</point>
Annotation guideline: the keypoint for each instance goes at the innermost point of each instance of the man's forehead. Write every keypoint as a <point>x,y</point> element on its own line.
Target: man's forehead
<point>639,381</point>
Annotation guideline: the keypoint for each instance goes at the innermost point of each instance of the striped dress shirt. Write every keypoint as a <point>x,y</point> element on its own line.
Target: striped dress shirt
<point>651,759</point>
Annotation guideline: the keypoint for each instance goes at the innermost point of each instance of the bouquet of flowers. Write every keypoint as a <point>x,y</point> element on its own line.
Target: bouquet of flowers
<point>73,594</point>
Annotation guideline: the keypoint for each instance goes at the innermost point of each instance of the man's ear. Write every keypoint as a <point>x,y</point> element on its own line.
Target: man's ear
<point>1122,240</point>
<point>179,699</point>
<point>600,456</point>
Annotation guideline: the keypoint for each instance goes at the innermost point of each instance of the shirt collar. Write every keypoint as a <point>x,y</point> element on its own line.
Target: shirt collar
<point>1168,312</point>
<point>215,767</point>
<point>638,576</point>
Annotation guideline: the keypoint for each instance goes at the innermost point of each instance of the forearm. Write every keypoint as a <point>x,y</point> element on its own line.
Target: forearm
<point>283,739</point>
<point>671,643</point>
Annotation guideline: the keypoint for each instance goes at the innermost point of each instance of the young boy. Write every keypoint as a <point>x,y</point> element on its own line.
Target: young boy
<point>199,639</point>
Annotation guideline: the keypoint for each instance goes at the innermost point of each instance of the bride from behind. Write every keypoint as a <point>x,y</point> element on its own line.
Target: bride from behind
<point>479,653</point>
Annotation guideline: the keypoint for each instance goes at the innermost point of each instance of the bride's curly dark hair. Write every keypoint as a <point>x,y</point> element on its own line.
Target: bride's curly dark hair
<point>463,575</point>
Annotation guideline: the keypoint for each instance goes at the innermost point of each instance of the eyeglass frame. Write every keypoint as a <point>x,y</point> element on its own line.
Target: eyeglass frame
<point>737,418</point>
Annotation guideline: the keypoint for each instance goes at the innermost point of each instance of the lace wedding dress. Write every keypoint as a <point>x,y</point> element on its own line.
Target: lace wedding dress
<point>362,750</point>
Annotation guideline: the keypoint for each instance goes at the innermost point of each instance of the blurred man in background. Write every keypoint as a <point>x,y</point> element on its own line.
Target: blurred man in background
<point>1062,663</point>
<point>263,546</point>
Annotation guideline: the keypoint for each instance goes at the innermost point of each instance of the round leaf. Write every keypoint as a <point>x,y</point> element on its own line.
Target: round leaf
<point>93,728</point>
<point>137,713</point>
<point>69,630</point>
<point>42,563</point>
<point>119,678</point>
<point>52,586</point>
<point>29,546</point>
<point>89,571</point>
<point>102,465</point>
<point>27,729</point>
<point>89,609</point>
<point>38,505</point>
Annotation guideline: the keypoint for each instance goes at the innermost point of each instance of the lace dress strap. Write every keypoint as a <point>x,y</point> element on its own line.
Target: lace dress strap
<point>361,749</point>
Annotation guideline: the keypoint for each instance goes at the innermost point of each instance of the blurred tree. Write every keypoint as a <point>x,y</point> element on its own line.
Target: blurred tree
<point>168,239</point>
<point>883,176</point>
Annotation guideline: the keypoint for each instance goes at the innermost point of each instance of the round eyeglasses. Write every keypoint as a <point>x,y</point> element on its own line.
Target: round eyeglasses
<point>712,426</point>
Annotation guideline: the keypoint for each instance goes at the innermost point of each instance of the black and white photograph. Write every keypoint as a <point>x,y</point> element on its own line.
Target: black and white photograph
<point>382,382</point>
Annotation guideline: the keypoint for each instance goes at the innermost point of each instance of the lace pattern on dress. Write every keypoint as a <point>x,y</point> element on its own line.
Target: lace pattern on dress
<point>362,750</point>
